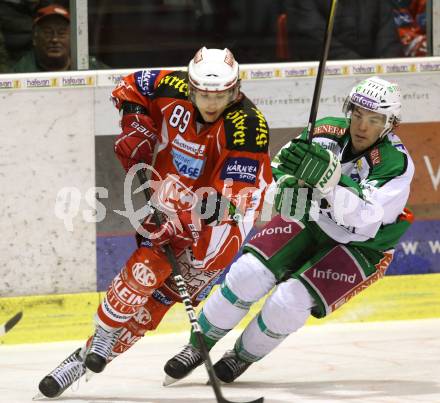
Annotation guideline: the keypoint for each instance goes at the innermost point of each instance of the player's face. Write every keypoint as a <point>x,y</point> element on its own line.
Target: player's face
<point>365,128</point>
<point>211,104</point>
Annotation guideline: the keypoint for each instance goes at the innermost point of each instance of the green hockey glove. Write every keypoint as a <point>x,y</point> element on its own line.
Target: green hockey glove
<point>291,199</point>
<point>288,159</point>
<point>319,167</point>
<point>285,182</point>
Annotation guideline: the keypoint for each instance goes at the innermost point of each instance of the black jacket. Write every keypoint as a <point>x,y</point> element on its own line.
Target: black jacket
<point>363,29</point>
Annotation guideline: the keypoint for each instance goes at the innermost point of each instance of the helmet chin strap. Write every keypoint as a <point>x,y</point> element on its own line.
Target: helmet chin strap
<point>235,98</point>
<point>384,132</point>
<point>392,125</point>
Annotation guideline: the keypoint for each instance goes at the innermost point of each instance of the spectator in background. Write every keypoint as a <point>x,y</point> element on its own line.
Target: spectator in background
<point>51,43</point>
<point>362,29</point>
<point>410,19</point>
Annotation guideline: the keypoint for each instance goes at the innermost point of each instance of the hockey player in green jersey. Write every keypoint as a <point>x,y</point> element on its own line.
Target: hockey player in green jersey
<point>341,211</point>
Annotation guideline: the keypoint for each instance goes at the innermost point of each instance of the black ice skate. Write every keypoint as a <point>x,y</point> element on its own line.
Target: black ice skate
<point>182,364</point>
<point>100,348</point>
<point>64,375</point>
<point>230,367</point>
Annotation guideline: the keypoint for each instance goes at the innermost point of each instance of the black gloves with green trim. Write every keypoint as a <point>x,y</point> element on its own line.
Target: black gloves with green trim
<point>312,164</point>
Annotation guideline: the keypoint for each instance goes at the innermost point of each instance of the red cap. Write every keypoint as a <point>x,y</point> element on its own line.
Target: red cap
<point>53,9</point>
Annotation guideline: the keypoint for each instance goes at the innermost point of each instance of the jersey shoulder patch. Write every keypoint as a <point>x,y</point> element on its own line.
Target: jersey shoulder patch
<point>374,156</point>
<point>145,81</point>
<point>246,128</point>
<point>386,159</point>
<point>330,127</point>
<point>173,85</point>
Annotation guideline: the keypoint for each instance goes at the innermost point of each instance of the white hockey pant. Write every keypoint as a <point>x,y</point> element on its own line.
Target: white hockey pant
<point>284,312</point>
<point>248,280</point>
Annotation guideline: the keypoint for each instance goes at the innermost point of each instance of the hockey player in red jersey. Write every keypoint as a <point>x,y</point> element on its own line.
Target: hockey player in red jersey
<point>207,145</point>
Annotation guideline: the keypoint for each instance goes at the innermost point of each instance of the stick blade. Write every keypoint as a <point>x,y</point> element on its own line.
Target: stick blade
<point>259,400</point>
<point>223,400</point>
<point>12,322</point>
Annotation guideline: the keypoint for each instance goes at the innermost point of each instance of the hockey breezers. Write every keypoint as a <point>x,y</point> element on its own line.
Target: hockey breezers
<point>180,282</point>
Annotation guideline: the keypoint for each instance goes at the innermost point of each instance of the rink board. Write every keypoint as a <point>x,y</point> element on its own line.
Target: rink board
<point>51,214</point>
<point>69,317</point>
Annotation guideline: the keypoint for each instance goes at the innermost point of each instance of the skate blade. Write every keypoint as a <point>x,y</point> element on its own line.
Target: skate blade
<point>169,380</point>
<point>38,396</point>
<point>89,375</point>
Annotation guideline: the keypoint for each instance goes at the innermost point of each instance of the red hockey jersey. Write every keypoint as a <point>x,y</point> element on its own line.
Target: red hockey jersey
<point>228,157</point>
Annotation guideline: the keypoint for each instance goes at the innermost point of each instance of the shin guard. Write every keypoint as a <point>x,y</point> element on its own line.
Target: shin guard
<point>146,319</point>
<point>145,271</point>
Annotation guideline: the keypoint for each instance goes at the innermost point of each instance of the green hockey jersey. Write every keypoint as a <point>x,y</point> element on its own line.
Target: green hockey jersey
<point>374,187</point>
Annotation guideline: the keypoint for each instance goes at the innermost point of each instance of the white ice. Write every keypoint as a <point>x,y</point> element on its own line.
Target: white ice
<point>366,362</point>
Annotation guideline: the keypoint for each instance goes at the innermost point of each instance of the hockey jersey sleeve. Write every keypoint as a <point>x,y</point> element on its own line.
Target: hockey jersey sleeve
<point>138,88</point>
<point>138,136</point>
<point>356,210</point>
<point>378,199</point>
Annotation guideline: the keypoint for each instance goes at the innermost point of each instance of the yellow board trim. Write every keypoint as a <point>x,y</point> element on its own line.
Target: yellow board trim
<point>70,316</point>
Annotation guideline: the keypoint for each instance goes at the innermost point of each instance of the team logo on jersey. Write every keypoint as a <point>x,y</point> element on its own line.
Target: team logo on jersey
<point>145,80</point>
<point>397,143</point>
<point>186,165</point>
<point>161,297</point>
<point>240,169</point>
<point>329,129</point>
<point>174,81</point>
<point>238,120</point>
<point>262,130</point>
<point>355,173</point>
<point>375,156</point>
<point>188,146</point>
<point>329,274</point>
<point>143,275</point>
<point>174,195</point>
<point>360,171</point>
<point>143,316</point>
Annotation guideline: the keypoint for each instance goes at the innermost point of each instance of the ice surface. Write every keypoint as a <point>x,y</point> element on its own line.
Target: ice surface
<point>364,362</point>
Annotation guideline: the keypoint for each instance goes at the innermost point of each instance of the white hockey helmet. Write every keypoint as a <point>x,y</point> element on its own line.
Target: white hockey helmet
<point>376,95</point>
<point>213,70</point>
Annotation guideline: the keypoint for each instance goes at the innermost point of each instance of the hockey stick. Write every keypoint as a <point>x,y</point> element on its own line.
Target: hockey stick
<point>321,69</point>
<point>7,326</point>
<point>183,292</point>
